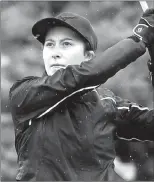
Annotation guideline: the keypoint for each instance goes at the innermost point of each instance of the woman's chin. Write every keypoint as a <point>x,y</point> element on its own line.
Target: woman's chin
<point>53,70</point>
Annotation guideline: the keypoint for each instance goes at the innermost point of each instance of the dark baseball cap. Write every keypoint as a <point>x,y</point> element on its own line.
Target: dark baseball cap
<point>73,21</point>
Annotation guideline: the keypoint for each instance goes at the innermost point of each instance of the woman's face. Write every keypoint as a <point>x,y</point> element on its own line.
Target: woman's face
<point>62,47</point>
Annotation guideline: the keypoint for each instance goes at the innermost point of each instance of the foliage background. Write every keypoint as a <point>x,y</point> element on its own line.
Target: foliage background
<point>21,55</point>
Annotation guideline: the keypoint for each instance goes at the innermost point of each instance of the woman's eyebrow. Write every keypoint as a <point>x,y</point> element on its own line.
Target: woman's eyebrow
<point>66,39</point>
<point>51,40</point>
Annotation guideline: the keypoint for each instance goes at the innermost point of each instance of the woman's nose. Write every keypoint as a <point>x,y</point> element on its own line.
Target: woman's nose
<point>56,56</point>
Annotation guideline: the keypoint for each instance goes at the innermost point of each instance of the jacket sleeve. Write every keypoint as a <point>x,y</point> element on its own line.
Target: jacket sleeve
<point>134,121</point>
<point>33,95</point>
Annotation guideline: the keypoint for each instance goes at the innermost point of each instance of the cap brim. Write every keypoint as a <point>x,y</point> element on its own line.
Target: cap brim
<point>40,28</point>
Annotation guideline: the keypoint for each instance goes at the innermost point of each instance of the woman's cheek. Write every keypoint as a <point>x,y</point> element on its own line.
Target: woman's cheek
<point>46,54</point>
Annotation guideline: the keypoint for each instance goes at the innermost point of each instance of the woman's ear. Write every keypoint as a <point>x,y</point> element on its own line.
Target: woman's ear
<point>89,55</point>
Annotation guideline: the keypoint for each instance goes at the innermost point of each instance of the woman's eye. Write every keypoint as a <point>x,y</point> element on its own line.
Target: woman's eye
<point>66,44</point>
<point>49,44</point>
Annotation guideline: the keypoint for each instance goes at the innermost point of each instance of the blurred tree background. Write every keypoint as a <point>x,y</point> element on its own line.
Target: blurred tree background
<point>21,55</point>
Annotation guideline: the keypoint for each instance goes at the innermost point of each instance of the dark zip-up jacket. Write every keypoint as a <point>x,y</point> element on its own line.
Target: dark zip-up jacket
<point>64,129</point>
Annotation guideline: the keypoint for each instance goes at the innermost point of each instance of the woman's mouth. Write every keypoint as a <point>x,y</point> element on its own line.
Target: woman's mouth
<point>58,66</point>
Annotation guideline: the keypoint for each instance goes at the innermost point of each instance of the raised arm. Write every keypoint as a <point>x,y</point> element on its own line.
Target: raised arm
<point>33,95</point>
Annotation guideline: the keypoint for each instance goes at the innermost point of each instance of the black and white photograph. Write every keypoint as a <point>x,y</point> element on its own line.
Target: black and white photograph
<point>77,91</point>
